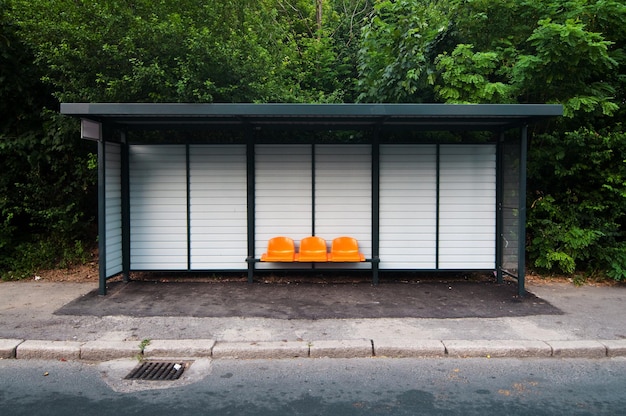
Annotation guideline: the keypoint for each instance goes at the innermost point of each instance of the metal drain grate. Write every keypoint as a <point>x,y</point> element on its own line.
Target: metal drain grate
<point>157,370</point>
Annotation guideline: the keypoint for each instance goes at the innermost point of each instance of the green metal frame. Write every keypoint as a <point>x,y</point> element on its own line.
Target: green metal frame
<point>102,252</point>
<point>521,259</point>
<point>499,210</point>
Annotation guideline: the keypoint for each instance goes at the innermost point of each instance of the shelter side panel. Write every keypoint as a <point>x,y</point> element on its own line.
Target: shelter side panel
<point>218,207</point>
<point>113,209</point>
<point>408,206</point>
<point>467,207</point>
<point>283,196</point>
<point>343,196</point>
<point>158,207</point>
<point>510,238</point>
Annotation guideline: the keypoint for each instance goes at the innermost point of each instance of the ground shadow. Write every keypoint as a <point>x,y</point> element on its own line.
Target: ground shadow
<point>305,300</point>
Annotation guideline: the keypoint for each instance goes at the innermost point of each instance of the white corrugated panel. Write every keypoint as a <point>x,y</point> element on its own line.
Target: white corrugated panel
<point>408,206</point>
<point>158,207</point>
<point>343,195</point>
<point>218,208</point>
<point>283,195</point>
<point>113,208</point>
<point>467,207</point>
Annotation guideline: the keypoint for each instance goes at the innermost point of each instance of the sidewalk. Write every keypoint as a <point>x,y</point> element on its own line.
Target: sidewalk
<point>589,324</point>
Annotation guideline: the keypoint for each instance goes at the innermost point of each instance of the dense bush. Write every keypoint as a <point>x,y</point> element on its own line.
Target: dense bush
<point>46,186</point>
<point>577,203</point>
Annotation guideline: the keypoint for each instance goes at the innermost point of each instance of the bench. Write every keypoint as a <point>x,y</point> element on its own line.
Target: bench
<point>313,249</point>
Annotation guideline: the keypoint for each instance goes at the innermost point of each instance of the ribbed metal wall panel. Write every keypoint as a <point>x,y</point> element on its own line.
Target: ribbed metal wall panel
<point>283,195</point>
<point>113,209</point>
<point>218,207</point>
<point>158,207</point>
<point>408,206</point>
<point>284,205</point>
<point>343,195</point>
<point>467,207</point>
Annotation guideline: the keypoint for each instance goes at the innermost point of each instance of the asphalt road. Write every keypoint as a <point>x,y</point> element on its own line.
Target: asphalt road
<point>321,387</point>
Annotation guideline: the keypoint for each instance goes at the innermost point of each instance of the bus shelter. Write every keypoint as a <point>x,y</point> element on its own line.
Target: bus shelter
<point>205,187</point>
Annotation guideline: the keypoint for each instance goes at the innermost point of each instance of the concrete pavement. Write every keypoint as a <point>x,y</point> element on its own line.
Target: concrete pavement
<point>591,325</point>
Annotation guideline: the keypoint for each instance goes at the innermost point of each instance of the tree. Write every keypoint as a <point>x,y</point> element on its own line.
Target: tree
<point>398,46</point>
<point>45,183</point>
<point>148,51</point>
<point>555,52</point>
<point>324,39</point>
<point>532,52</point>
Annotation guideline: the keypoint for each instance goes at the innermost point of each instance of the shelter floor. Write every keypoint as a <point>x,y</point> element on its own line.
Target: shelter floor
<point>303,300</point>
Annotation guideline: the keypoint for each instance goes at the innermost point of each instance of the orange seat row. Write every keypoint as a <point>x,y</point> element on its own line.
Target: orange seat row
<point>312,249</point>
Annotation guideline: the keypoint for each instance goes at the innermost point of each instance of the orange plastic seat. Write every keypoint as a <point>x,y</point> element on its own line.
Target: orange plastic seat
<point>345,249</point>
<point>312,249</point>
<point>280,249</point>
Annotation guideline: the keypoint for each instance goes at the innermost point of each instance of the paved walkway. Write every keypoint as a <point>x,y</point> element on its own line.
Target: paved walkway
<point>67,321</point>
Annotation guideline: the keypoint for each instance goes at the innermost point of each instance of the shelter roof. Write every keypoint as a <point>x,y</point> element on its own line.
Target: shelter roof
<point>334,116</point>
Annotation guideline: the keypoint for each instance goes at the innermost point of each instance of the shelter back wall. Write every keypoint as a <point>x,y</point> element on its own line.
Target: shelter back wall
<point>188,203</point>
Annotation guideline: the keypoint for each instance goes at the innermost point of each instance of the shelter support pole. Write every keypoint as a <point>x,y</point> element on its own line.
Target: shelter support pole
<point>102,277</point>
<point>521,258</point>
<point>375,210</point>
<point>438,204</point>
<point>250,167</point>
<point>499,207</point>
<point>125,186</point>
<point>188,200</point>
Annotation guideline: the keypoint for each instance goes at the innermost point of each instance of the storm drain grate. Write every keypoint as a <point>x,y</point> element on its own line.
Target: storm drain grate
<point>157,370</point>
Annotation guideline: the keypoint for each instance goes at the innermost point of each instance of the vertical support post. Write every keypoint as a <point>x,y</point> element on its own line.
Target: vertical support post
<point>375,210</point>
<point>521,258</point>
<point>437,202</point>
<point>188,184</point>
<point>499,206</point>
<point>102,277</point>
<point>250,169</point>
<point>313,192</point>
<point>125,159</point>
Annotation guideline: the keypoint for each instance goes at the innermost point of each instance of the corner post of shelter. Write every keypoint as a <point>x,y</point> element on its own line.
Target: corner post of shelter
<point>251,179</point>
<point>499,207</point>
<point>102,277</point>
<point>521,266</point>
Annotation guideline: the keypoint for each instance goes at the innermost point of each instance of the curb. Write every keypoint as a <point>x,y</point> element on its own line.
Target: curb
<point>498,349</point>
<point>355,348</point>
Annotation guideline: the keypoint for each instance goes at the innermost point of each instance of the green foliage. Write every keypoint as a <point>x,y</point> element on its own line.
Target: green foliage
<point>44,251</point>
<point>457,51</point>
<point>149,51</point>
<point>398,46</point>
<point>45,186</point>
<point>534,52</point>
<point>568,65</point>
<point>469,77</point>
<point>319,63</point>
<point>580,224</point>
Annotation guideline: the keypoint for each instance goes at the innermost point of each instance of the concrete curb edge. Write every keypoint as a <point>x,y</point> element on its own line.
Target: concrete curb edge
<point>354,348</point>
